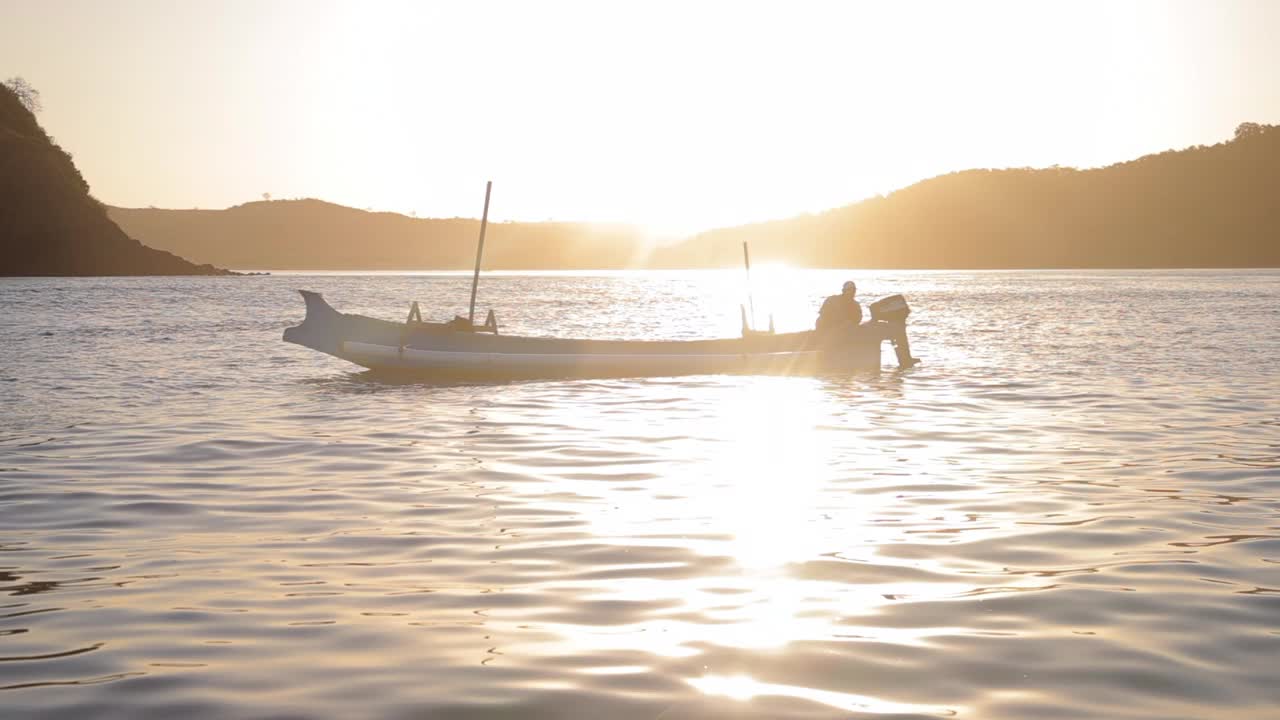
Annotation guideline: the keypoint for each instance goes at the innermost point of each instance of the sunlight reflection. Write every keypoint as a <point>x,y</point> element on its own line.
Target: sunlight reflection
<point>771,494</point>
<point>783,527</point>
<point>767,479</point>
<point>743,688</point>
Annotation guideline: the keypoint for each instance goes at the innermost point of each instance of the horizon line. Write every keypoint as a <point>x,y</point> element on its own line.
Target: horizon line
<point>650,229</point>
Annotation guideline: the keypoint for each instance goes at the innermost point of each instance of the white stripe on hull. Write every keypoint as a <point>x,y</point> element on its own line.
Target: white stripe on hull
<point>390,357</point>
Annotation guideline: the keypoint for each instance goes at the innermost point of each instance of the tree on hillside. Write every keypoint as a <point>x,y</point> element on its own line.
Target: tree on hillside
<point>27,95</point>
<point>1248,129</point>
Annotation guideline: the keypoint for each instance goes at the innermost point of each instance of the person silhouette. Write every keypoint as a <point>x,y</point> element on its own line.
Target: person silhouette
<point>840,310</point>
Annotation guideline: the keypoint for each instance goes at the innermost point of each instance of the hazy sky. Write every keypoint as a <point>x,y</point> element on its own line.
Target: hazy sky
<point>678,115</point>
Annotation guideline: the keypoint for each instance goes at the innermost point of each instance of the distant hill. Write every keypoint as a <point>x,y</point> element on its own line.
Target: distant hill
<point>1215,206</point>
<point>1212,206</point>
<point>49,225</point>
<point>316,235</point>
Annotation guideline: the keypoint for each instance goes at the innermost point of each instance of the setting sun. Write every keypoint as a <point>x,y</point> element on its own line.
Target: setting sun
<point>675,116</point>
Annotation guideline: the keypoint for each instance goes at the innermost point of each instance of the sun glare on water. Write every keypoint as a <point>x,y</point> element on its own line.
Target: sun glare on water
<point>742,688</point>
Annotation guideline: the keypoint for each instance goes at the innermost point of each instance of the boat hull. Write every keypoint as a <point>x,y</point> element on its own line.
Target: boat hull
<point>437,351</point>
<point>533,365</point>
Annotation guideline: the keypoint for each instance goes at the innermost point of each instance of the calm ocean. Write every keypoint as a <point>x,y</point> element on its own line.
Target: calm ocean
<point>1072,509</point>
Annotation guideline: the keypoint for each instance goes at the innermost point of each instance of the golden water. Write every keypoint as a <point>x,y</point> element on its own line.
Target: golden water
<point>1071,510</point>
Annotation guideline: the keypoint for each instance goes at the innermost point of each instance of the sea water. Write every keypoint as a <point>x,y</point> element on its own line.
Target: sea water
<point>1072,509</point>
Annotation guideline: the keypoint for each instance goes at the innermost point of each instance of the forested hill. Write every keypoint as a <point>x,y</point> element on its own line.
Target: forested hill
<point>316,235</point>
<point>1205,206</point>
<point>49,225</point>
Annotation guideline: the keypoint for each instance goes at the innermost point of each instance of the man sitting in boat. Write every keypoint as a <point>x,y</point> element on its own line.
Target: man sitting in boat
<point>840,310</point>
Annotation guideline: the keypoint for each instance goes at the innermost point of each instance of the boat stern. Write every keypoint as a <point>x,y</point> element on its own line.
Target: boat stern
<point>859,347</point>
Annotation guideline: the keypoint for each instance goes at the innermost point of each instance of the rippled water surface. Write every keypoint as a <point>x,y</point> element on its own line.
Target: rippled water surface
<point>1071,510</point>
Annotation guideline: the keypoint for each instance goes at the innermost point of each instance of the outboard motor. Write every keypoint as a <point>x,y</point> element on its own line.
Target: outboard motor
<point>893,311</point>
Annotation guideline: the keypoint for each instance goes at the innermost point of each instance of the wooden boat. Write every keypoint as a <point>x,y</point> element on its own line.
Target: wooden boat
<point>458,350</point>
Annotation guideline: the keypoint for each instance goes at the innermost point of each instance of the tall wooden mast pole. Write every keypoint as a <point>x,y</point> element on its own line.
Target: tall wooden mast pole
<point>475,279</point>
<point>746,258</point>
